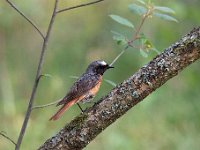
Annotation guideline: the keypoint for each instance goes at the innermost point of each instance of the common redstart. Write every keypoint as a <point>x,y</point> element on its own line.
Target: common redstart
<point>85,88</point>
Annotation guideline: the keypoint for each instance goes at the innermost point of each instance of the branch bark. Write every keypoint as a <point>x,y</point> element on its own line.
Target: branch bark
<point>7,137</point>
<point>78,6</point>
<point>85,127</point>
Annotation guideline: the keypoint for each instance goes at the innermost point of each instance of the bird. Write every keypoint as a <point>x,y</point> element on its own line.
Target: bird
<point>84,89</point>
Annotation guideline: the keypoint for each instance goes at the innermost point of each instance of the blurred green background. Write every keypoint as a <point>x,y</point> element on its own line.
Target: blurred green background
<point>167,119</point>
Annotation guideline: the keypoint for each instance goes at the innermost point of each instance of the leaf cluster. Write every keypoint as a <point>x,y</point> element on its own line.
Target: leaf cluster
<point>145,10</point>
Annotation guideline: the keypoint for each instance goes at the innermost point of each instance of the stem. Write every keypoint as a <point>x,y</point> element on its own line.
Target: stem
<point>8,138</point>
<point>46,105</point>
<point>139,28</point>
<point>26,18</point>
<point>41,60</point>
<point>81,5</point>
<point>135,37</point>
<point>119,55</point>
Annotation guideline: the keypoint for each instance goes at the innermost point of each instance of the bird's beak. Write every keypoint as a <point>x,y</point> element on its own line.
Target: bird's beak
<point>110,67</point>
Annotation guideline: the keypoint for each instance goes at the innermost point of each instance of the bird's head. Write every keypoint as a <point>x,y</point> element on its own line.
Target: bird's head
<point>98,67</point>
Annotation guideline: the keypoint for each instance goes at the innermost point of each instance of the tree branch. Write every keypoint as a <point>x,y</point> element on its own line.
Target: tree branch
<point>85,127</point>
<point>46,105</point>
<point>37,78</point>
<point>78,6</point>
<point>8,138</point>
<point>26,18</point>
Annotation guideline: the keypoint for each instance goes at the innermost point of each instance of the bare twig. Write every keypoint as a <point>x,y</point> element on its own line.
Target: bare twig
<point>8,138</point>
<point>81,5</point>
<point>46,105</point>
<point>38,74</point>
<point>23,15</point>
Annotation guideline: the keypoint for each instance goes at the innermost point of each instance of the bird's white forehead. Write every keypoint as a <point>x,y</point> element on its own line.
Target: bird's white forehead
<point>103,63</point>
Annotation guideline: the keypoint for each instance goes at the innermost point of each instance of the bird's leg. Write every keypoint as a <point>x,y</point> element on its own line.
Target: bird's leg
<point>80,107</point>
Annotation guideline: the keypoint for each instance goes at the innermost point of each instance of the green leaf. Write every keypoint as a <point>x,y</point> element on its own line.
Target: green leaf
<point>122,20</point>
<point>155,50</point>
<point>111,82</point>
<point>165,17</point>
<point>74,77</point>
<point>143,53</point>
<point>142,38</point>
<point>47,75</point>
<point>148,44</point>
<point>141,1</point>
<point>137,9</point>
<point>121,39</point>
<point>164,9</point>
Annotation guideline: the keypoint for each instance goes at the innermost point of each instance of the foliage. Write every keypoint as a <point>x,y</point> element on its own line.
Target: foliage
<point>145,10</point>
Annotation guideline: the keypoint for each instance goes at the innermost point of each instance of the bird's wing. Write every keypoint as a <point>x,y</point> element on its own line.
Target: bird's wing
<point>80,87</point>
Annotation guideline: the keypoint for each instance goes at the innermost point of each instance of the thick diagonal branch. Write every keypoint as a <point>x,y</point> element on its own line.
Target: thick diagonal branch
<point>85,127</point>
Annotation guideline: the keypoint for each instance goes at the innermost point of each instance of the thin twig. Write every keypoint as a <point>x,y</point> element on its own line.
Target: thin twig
<point>26,18</point>
<point>135,37</point>
<point>81,5</point>
<point>139,28</point>
<point>8,138</point>
<point>46,105</point>
<point>119,55</point>
<point>41,60</point>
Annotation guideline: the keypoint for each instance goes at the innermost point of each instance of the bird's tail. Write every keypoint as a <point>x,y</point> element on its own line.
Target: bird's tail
<point>60,112</point>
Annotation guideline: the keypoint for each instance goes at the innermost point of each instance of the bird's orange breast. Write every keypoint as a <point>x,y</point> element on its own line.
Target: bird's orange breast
<point>87,97</point>
<point>95,89</point>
